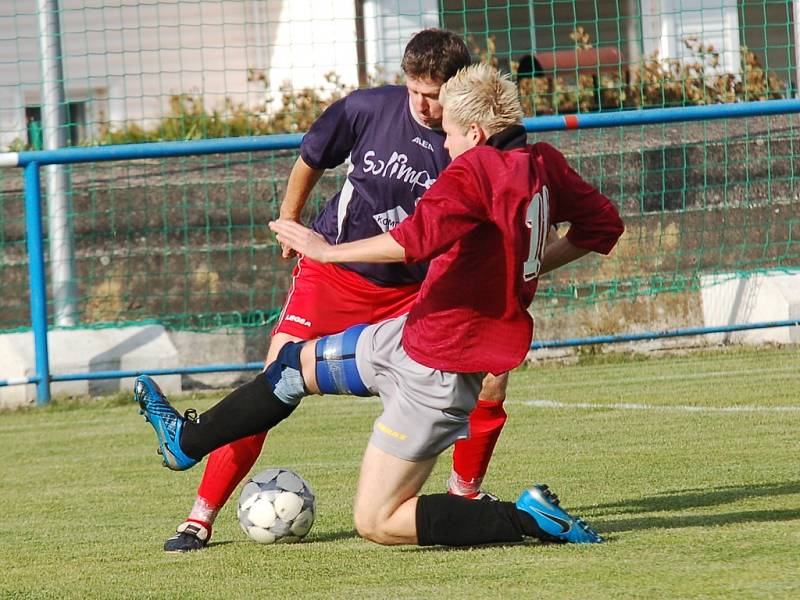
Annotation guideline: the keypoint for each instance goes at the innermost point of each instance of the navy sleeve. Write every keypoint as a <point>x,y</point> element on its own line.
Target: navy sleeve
<point>331,138</point>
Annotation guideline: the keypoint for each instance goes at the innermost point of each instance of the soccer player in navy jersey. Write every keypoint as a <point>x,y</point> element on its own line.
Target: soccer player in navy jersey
<point>483,226</point>
<point>392,138</point>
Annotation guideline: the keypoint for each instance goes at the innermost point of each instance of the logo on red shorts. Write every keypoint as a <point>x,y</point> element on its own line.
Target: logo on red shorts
<point>298,320</point>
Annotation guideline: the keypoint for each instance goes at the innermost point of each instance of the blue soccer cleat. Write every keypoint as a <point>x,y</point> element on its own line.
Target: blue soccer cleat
<point>166,421</point>
<point>543,505</point>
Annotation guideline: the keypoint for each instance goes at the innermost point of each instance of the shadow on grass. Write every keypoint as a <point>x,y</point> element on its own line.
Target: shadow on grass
<point>313,539</point>
<point>681,500</point>
<point>333,536</point>
<point>694,498</point>
<point>749,516</point>
<point>477,547</point>
<point>222,543</point>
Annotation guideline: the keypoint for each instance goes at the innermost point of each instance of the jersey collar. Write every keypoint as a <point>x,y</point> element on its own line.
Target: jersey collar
<point>509,138</point>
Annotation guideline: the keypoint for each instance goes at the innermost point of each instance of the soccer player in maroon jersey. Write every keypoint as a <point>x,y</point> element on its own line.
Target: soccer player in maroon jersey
<point>392,139</point>
<point>483,226</point>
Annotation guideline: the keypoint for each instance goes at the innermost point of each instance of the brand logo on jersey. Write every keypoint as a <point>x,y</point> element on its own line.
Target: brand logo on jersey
<point>396,168</point>
<point>424,143</point>
<point>298,320</point>
<point>391,218</point>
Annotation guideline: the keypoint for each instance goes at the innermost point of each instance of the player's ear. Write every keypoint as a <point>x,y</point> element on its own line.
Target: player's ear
<point>476,134</point>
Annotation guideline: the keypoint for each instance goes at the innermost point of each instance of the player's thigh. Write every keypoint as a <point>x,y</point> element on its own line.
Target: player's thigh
<point>304,316</point>
<point>385,485</point>
<point>424,410</point>
<point>493,387</point>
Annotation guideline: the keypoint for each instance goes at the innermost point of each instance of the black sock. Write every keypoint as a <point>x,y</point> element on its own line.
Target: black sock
<point>447,520</point>
<point>249,409</point>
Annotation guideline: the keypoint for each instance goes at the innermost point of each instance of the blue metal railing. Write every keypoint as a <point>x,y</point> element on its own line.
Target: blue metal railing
<point>34,160</point>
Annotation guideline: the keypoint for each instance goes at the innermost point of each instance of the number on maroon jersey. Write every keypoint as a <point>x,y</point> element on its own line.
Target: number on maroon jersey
<point>538,221</point>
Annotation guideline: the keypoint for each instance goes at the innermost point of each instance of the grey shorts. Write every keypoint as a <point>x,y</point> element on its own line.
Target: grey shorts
<point>424,410</point>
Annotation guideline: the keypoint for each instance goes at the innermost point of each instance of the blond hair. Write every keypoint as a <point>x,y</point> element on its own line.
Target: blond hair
<point>481,94</point>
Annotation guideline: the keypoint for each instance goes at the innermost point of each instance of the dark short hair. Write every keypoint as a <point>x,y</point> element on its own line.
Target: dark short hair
<point>436,54</point>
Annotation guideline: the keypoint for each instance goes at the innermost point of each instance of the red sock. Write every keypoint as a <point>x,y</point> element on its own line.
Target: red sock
<point>471,456</point>
<point>227,466</point>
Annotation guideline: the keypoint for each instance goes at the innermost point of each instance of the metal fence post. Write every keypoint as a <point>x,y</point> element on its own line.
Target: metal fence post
<point>54,121</point>
<point>796,36</point>
<point>33,227</point>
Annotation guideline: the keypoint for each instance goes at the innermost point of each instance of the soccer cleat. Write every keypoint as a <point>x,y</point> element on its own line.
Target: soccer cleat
<point>189,536</point>
<point>543,505</point>
<point>166,421</point>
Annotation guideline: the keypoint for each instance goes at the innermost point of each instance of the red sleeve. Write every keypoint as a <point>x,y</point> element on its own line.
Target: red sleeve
<point>595,224</point>
<point>452,207</point>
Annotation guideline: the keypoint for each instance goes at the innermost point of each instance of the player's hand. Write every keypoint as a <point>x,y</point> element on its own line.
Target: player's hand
<point>287,252</point>
<point>300,239</point>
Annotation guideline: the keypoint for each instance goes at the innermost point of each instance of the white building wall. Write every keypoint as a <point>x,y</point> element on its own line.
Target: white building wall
<point>127,58</point>
<point>388,25</point>
<point>666,23</point>
<point>309,39</point>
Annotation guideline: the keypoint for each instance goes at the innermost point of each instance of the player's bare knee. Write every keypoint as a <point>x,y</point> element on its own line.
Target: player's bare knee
<point>493,387</point>
<point>365,525</point>
<point>370,522</point>
<point>373,530</point>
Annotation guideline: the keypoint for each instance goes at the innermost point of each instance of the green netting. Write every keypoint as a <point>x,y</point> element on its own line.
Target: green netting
<point>183,241</point>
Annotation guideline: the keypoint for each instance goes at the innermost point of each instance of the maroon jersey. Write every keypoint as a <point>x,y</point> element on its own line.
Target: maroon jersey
<point>483,226</point>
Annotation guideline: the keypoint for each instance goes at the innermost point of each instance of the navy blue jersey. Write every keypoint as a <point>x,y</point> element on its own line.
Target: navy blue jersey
<point>393,161</point>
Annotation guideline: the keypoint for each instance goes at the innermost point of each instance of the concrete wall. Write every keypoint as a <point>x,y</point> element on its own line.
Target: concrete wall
<point>755,298</point>
<point>82,351</point>
<point>128,348</point>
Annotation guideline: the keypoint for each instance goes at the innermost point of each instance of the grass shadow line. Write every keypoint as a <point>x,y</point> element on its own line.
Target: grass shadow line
<point>666,522</point>
<point>692,498</point>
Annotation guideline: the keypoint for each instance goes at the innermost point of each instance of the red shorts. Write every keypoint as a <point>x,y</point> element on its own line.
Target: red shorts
<point>325,299</point>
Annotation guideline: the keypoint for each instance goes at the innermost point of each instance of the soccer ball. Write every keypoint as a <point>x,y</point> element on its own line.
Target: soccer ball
<point>276,505</point>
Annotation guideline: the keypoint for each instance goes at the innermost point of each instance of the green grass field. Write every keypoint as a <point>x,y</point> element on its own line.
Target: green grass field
<point>688,464</point>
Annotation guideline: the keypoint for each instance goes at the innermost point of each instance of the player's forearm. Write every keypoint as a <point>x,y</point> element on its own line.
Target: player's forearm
<point>559,253</point>
<point>379,249</point>
<point>302,180</point>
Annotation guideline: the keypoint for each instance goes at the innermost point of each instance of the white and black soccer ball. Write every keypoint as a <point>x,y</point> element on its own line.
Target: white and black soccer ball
<point>277,505</point>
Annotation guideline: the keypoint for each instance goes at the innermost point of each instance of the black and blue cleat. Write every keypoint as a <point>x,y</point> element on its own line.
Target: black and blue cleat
<point>166,421</point>
<point>543,505</point>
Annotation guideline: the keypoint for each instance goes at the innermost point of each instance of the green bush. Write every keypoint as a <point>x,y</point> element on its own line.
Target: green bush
<point>654,82</point>
<point>188,118</point>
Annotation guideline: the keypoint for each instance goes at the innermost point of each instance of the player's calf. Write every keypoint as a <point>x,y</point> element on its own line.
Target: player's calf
<point>449,520</point>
